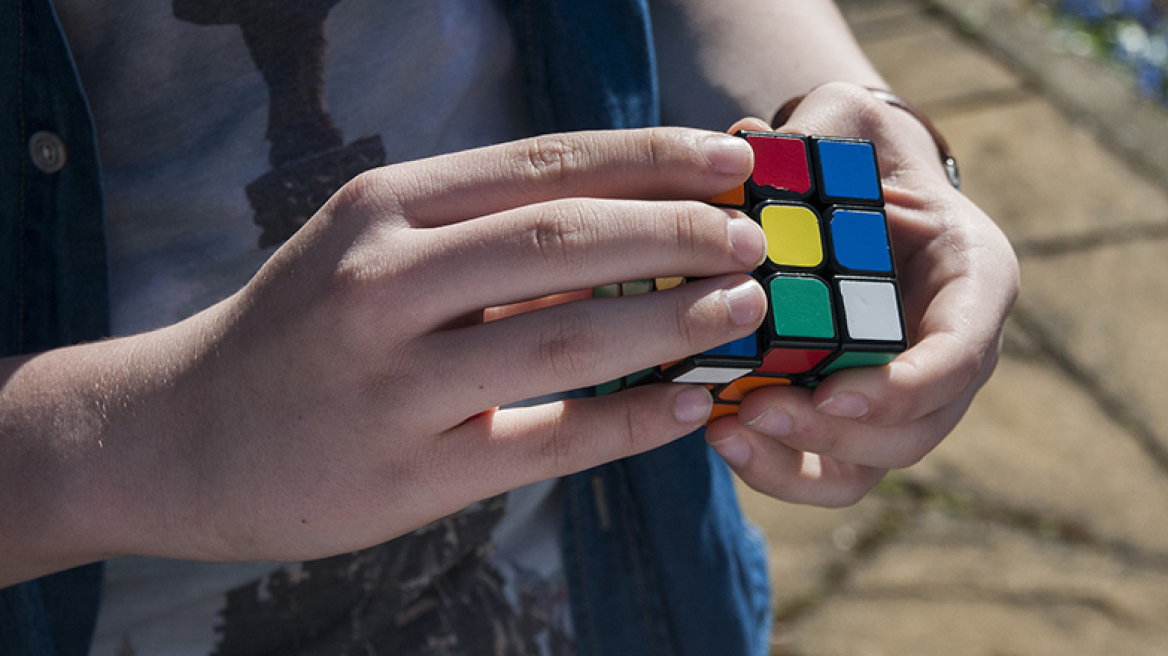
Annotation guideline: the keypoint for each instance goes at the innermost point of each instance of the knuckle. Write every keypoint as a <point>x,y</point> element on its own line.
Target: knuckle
<point>828,442</point>
<point>681,322</point>
<point>896,405</point>
<point>558,445</point>
<point>553,158</point>
<point>852,97</point>
<point>656,148</point>
<point>990,360</point>
<point>971,363</point>
<point>370,193</point>
<point>567,345</point>
<point>966,364</point>
<point>810,439</point>
<point>957,243</point>
<point>635,426</point>
<point>628,426</point>
<point>362,185</point>
<point>561,235</point>
<point>858,104</point>
<point>687,235</point>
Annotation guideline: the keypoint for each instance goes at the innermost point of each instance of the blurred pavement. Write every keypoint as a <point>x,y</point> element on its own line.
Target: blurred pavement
<point>1041,525</point>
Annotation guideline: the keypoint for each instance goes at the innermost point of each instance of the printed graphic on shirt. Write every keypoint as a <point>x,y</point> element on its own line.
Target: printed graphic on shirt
<point>286,40</point>
<point>444,590</point>
<point>214,116</point>
<point>434,593</point>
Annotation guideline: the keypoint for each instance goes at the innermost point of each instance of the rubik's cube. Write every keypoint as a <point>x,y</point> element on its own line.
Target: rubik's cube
<point>832,297</point>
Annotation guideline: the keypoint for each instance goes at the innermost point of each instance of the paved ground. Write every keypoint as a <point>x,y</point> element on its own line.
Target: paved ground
<point>1041,526</point>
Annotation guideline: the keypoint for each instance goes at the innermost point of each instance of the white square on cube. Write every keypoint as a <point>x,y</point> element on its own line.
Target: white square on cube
<point>872,310</point>
<point>711,375</point>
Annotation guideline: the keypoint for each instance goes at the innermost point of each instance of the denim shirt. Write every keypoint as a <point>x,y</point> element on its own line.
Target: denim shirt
<point>53,280</point>
<point>658,556</point>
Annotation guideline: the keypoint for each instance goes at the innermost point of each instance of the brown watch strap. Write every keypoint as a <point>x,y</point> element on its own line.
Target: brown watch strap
<point>943,151</point>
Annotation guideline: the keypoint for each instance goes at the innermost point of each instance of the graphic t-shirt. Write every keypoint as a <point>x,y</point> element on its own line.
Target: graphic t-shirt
<point>223,125</point>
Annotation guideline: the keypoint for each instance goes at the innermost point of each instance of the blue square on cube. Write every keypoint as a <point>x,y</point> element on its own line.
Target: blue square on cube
<point>859,241</point>
<point>849,170</point>
<point>747,347</point>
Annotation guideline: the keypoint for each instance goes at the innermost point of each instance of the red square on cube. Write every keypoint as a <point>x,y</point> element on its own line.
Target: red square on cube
<point>781,165</point>
<point>792,360</point>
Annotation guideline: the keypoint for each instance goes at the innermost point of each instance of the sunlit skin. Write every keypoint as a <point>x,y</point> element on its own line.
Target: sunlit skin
<point>347,394</point>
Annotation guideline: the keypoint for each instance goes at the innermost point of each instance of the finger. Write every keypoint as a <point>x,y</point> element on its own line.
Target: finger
<point>750,123</point>
<point>788,416</point>
<point>517,446</point>
<point>780,471</point>
<point>589,342</point>
<point>568,245</point>
<point>658,163</point>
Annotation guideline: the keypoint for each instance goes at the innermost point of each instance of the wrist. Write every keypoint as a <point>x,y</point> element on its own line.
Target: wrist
<point>89,436</point>
<point>63,477</point>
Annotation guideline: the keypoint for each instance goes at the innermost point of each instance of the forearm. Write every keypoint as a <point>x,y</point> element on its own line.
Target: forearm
<point>746,57</point>
<point>86,433</point>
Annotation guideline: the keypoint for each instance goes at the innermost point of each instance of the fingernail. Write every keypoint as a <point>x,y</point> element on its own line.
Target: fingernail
<point>727,154</point>
<point>746,303</point>
<point>693,405</point>
<point>747,240</point>
<point>735,450</point>
<point>846,405</point>
<point>773,421</point>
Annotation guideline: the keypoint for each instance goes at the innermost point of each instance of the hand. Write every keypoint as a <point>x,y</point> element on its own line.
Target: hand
<point>347,395</point>
<point>958,277</point>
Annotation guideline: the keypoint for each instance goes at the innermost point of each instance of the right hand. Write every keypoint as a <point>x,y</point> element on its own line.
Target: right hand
<point>347,395</point>
<point>958,278</point>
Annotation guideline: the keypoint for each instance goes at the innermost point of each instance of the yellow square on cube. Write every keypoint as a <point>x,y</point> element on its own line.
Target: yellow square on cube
<point>794,236</point>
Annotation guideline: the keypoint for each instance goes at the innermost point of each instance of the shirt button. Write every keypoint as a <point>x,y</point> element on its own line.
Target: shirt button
<point>47,151</point>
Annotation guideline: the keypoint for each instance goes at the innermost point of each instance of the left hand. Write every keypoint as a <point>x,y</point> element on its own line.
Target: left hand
<point>959,278</point>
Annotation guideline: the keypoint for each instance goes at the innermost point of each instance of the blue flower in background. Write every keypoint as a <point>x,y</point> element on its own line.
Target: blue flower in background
<point>1142,11</point>
<point>1150,79</point>
<point>1133,33</point>
<point>1090,11</point>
